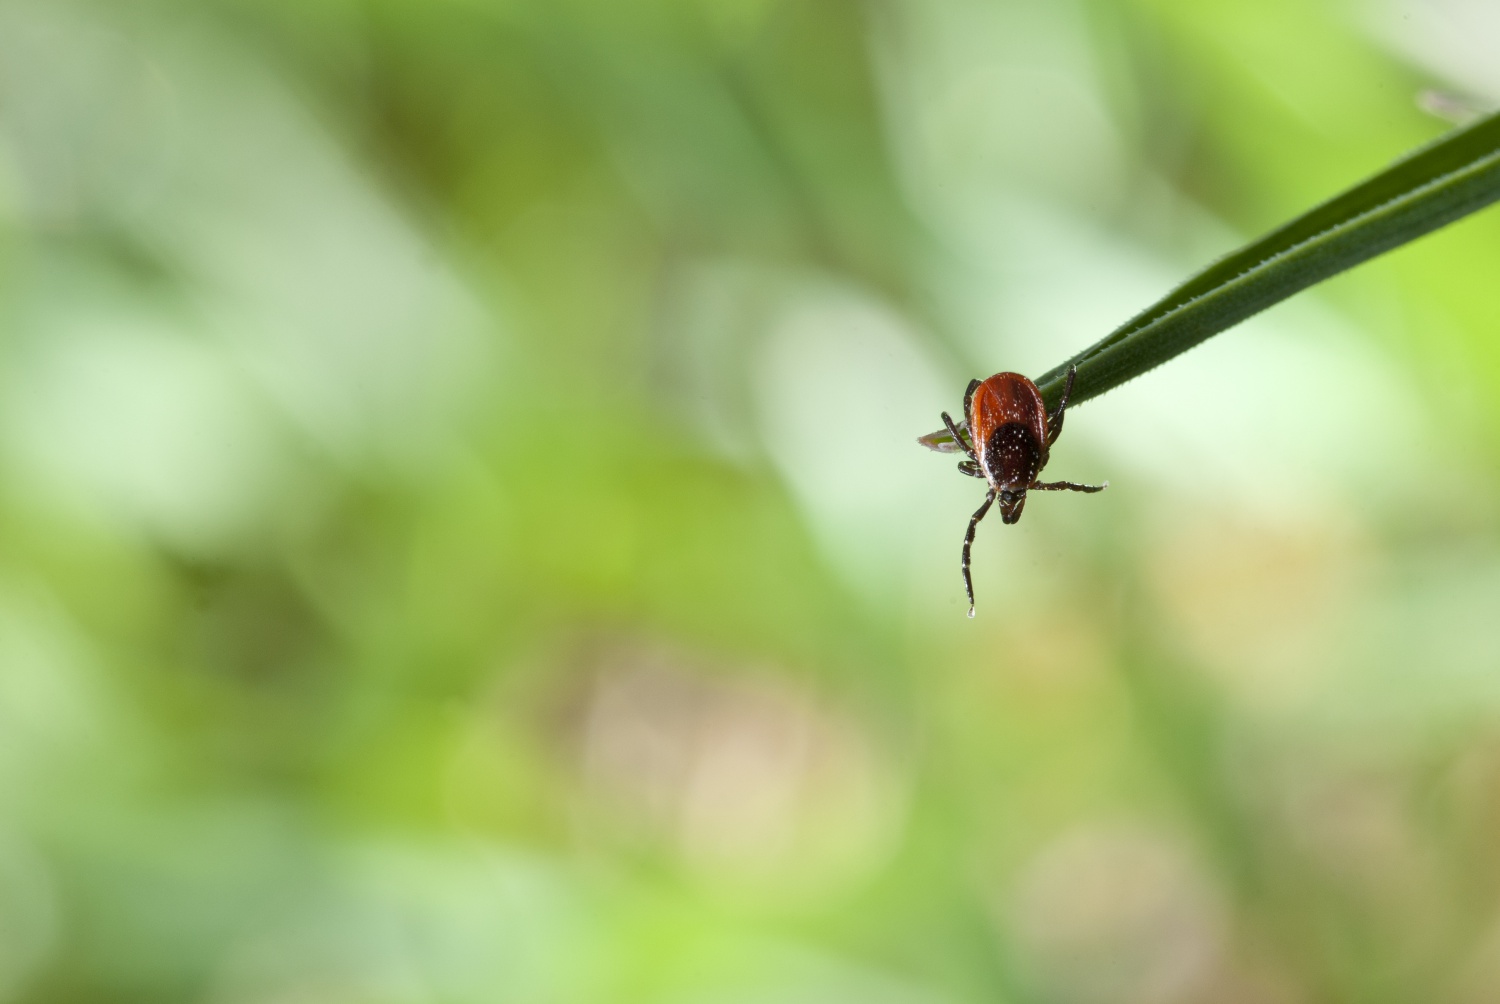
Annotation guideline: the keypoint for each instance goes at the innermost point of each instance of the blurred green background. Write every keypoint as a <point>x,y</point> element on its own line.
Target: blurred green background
<point>462,538</point>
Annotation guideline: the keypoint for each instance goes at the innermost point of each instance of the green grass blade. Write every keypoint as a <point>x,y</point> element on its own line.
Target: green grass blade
<point>1434,186</point>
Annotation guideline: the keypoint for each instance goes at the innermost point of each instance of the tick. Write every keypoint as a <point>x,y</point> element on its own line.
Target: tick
<point>1010,437</point>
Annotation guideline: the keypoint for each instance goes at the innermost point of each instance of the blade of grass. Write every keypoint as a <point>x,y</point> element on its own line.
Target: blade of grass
<point>1432,187</point>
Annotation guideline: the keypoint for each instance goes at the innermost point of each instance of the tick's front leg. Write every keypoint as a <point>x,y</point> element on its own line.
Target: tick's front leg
<point>989,500</point>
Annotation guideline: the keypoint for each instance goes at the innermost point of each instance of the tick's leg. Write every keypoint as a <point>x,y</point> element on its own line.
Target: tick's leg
<point>1055,420</point>
<point>969,542</point>
<point>969,397</point>
<point>970,468</point>
<point>1065,486</point>
<point>957,438</point>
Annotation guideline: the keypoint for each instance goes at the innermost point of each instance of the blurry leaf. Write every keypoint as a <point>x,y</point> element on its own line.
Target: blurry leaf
<point>1455,109</point>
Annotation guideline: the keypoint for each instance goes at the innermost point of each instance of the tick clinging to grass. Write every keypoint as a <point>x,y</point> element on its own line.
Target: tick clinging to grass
<point>1009,438</point>
<point>1009,431</point>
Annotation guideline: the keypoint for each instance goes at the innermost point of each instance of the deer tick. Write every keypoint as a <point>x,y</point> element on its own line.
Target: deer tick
<point>1010,437</point>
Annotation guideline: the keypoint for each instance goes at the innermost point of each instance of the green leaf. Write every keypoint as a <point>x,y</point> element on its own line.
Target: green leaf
<point>1432,187</point>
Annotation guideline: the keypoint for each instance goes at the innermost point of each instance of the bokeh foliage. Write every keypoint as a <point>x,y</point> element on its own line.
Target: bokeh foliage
<point>461,537</point>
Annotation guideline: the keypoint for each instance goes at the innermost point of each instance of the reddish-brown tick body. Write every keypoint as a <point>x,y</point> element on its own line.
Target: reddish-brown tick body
<point>1010,438</point>
<point>1008,424</point>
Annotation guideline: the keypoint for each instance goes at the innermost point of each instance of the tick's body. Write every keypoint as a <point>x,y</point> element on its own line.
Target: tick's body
<point>1010,438</point>
<point>1009,426</point>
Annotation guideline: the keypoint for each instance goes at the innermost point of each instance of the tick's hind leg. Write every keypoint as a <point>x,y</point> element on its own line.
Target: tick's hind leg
<point>969,542</point>
<point>1065,486</point>
<point>1055,420</point>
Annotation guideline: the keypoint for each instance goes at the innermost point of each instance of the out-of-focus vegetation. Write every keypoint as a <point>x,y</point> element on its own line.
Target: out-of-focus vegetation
<point>461,538</point>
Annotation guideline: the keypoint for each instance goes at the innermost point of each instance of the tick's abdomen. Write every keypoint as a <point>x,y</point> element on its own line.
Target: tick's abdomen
<point>1008,423</point>
<point>1011,457</point>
